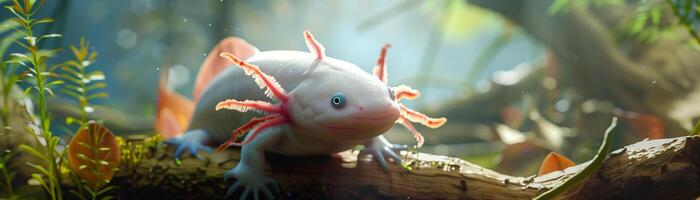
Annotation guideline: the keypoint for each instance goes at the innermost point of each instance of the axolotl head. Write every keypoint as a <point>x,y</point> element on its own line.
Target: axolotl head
<point>336,101</point>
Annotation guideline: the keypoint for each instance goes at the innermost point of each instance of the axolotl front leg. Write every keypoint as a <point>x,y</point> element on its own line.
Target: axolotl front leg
<point>250,170</point>
<point>380,149</point>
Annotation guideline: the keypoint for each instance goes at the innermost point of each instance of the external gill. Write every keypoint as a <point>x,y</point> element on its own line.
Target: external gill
<point>404,92</point>
<point>277,114</point>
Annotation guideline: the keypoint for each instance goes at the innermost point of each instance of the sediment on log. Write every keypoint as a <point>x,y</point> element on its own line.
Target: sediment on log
<point>653,169</point>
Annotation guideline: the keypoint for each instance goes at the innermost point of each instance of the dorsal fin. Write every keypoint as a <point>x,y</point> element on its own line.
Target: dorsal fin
<point>214,64</point>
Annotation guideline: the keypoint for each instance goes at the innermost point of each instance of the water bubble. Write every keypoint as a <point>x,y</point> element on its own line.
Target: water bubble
<point>126,38</point>
<point>178,76</point>
<point>562,105</point>
<point>184,20</point>
<point>209,25</point>
<point>89,109</point>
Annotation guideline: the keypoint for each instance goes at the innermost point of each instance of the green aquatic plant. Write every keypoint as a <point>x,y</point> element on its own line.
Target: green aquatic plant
<point>88,166</point>
<point>696,129</point>
<point>7,173</point>
<point>592,167</point>
<point>646,22</point>
<point>688,13</point>
<point>82,84</point>
<point>8,77</point>
<point>38,75</point>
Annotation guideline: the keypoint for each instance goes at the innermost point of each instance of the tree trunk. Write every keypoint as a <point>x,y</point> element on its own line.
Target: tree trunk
<point>653,169</point>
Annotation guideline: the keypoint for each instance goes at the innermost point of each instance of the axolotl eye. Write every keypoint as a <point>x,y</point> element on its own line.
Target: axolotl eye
<point>338,100</point>
<point>392,95</point>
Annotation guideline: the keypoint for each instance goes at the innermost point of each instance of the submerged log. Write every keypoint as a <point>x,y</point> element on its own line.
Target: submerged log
<point>653,169</point>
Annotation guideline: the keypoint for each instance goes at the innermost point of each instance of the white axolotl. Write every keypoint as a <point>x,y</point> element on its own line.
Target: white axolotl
<point>331,106</point>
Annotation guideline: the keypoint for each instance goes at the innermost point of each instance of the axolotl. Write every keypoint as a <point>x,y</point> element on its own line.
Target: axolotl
<point>322,105</point>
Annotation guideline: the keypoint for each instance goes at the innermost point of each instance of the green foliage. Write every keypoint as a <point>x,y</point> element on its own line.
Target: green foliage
<point>645,23</point>
<point>566,5</point>
<point>38,75</point>
<point>7,173</point>
<point>8,77</point>
<point>688,11</point>
<point>696,129</point>
<point>82,84</point>
<point>592,167</point>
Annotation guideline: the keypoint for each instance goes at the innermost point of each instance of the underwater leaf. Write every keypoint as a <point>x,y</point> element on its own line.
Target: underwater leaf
<point>98,95</point>
<point>6,41</point>
<point>53,35</point>
<point>689,15</point>
<point>84,150</point>
<point>105,189</point>
<point>70,120</point>
<point>77,194</point>
<point>557,6</point>
<point>696,129</point>
<point>8,24</point>
<point>31,150</point>
<point>638,24</point>
<point>39,168</point>
<point>95,86</point>
<point>13,10</point>
<point>41,21</point>
<point>56,82</point>
<point>592,167</point>
<point>49,90</point>
<point>644,125</point>
<point>554,162</point>
<point>96,76</point>
<point>37,177</point>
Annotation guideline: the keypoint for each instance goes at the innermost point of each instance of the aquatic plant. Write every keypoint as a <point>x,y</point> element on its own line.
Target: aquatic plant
<point>7,173</point>
<point>37,74</point>
<point>8,77</point>
<point>94,157</point>
<point>82,84</point>
<point>134,149</point>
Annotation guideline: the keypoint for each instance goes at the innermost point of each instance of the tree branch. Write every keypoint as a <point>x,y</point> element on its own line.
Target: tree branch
<point>655,169</point>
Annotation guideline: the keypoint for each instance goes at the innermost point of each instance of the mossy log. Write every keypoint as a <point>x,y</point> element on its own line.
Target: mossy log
<point>653,169</point>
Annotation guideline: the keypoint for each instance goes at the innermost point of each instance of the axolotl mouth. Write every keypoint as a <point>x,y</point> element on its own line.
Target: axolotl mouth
<point>367,122</point>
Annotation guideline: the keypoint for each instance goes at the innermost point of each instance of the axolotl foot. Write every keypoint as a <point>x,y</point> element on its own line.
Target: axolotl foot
<point>252,183</point>
<point>381,149</point>
<point>192,141</point>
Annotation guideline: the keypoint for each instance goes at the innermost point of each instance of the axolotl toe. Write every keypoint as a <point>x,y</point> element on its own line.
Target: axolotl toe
<point>321,105</point>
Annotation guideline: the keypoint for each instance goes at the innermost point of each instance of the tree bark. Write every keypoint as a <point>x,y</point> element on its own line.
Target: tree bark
<point>654,169</point>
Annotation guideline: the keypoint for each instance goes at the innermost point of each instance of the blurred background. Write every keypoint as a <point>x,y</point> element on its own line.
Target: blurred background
<point>516,80</point>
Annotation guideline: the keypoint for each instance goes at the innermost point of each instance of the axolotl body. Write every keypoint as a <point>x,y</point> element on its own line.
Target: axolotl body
<point>332,106</point>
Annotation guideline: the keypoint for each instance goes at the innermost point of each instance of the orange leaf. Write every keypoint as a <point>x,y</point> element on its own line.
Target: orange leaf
<point>554,162</point>
<point>94,154</point>
<point>644,125</point>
